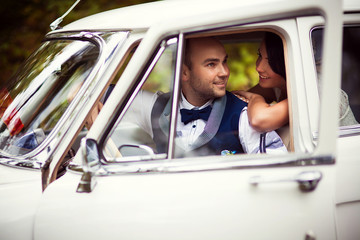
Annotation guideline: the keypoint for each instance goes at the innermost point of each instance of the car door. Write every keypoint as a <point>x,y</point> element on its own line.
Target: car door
<point>347,167</point>
<point>147,194</point>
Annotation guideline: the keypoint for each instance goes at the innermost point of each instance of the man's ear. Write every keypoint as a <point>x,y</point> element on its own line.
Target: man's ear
<point>185,73</point>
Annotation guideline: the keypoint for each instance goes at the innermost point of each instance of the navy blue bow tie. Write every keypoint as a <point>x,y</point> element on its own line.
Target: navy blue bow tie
<point>193,114</point>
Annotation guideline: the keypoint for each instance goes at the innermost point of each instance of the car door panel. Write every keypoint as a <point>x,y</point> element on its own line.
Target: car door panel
<point>16,218</point>
<point>192,205</point>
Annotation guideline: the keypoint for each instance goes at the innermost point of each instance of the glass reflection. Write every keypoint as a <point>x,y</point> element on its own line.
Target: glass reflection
<point>38,95</point>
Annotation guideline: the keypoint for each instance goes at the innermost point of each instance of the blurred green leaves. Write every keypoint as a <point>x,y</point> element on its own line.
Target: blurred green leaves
<point>25,22</point>
<point>242,64</point>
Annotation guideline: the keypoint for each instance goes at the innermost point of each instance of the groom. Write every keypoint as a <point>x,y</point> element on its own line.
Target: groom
<point>213,121</point>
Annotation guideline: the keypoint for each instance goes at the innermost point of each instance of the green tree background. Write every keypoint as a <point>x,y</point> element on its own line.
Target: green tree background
<point>242,63</point>
<point>25,22</point>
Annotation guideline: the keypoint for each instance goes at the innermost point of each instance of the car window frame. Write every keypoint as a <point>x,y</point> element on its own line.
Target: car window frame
<point>129,100</point>
<point>25,160</point>
<point>248,160</point>
<point>343,131</point>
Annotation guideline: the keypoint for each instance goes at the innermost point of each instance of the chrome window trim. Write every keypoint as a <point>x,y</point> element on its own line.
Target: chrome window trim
<point>343,131</point>
<point>176,94</point>
<point>164,44</point>
<point>351,130</point>
<point>29,160</point>
<point>22,163</point>
<point>213,163</point>
<point>96,40</point>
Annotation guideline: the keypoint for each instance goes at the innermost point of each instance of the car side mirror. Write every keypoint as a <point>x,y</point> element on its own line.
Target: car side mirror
<point>136,150</point>
<point>91,164</point>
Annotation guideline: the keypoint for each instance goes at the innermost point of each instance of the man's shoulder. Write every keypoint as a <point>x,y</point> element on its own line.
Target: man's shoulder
<point>162,98</point>
<point>233,100</point>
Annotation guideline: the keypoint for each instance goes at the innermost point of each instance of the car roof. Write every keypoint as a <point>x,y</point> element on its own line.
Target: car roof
<point>143,16</point>
<point>351,5</point>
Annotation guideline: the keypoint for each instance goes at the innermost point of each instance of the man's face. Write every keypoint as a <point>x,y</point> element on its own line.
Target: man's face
<point>209,71</point>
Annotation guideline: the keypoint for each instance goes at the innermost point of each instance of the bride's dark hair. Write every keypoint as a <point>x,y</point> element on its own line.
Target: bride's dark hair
<point>275,52</point>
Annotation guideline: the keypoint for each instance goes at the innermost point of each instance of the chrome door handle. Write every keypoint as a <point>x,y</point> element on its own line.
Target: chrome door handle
<point>307,181</point>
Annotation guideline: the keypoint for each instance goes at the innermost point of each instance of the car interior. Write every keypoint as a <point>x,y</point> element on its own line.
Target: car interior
<point>242,49</point>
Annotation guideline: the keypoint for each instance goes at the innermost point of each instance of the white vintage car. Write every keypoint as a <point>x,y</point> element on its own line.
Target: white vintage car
<point>114,184</point>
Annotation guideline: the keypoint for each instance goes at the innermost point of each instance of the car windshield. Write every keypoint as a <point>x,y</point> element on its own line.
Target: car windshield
<point>37,96</point>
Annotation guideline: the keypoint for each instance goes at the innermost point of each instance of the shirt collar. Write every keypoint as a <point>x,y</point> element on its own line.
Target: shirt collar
<point>185,104</point>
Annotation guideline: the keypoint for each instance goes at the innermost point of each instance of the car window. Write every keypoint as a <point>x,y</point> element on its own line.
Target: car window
<point>132,135</point>
<point>350,78</point>
<point>143,130</point>
<point>38,95</point>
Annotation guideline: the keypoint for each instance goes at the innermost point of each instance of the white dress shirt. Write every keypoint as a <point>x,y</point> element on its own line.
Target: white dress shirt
<point>187,134</point>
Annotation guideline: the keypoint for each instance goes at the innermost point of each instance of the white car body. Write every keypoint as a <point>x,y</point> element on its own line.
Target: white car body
<point>236,197</point>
